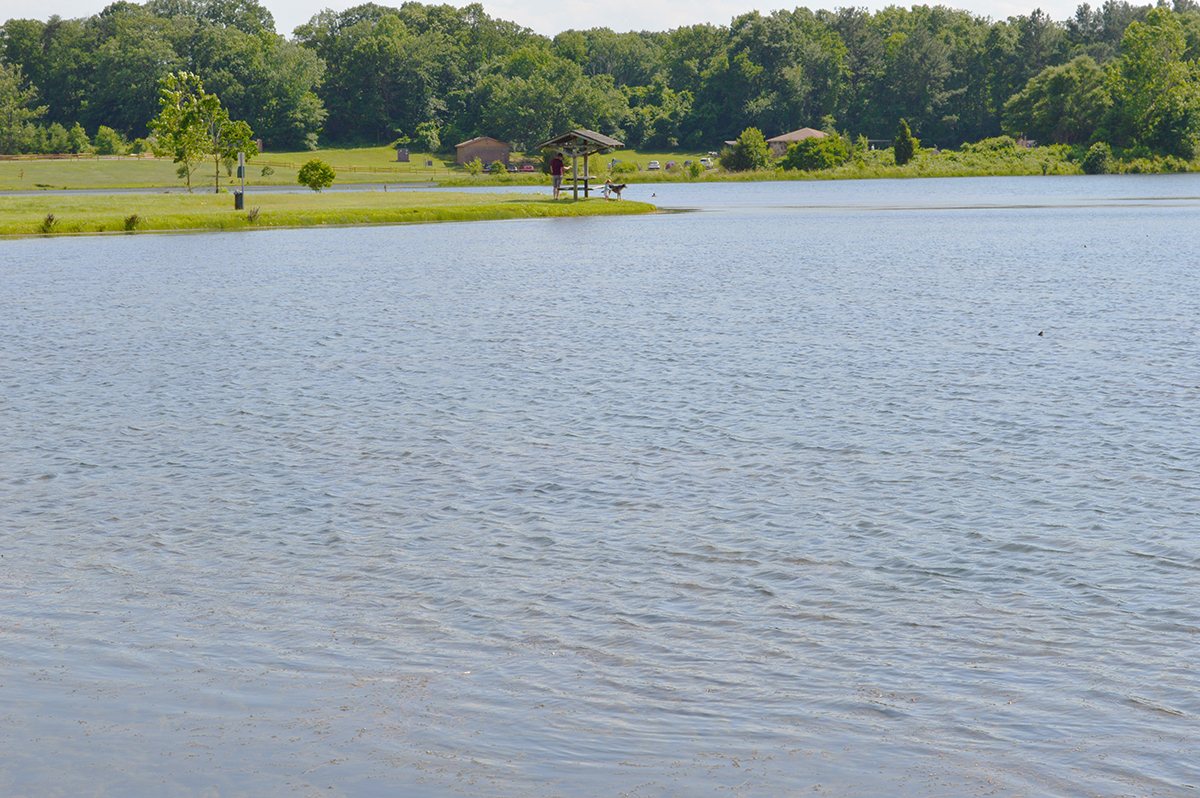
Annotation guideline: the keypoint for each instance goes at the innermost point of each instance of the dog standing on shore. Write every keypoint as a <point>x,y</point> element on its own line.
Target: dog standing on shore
<point>613,188</point>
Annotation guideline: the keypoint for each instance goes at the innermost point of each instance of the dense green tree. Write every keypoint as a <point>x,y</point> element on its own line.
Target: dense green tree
<point>533,94</point>
<point>1156,93</point>
<point>904,146</point>
<point>816,153</point>
<point>316,174</point>
<point>133,52</point>
<point>750,151</point>
<point>16,108</point>
<point>1064,104</point>
<point>1098,160</point>
<point>362,74</point>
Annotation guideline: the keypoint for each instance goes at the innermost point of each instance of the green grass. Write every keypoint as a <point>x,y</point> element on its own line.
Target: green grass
<point>378,165</point>
<point>93,213</point>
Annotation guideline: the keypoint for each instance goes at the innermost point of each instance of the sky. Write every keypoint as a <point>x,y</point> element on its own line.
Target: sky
<point>549,17</point>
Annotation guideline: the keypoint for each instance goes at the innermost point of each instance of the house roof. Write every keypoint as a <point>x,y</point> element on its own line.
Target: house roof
<point>478,140</point>
<point>798,135</point>
<point>581,142</point>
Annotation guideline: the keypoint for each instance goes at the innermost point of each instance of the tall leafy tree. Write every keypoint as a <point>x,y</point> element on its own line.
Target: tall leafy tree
<point>1064,104</point>
<point>16,108</point>
<point>1156,92</point>
<point>179,127</point>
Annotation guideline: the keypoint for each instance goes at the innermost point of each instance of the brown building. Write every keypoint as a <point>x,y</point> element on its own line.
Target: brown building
<point>779,144</point>
<point>485,148</point>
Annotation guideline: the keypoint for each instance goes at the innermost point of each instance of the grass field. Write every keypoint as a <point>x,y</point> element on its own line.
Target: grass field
<point>58,214</point>
<point>353,165</point>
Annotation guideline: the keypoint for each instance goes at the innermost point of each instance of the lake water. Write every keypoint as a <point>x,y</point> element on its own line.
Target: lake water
<point>879,488</point>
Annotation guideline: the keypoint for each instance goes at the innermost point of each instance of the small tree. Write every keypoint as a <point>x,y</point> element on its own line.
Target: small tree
<point>817,153</point>
<point>109,141</point>
<point>78,139</point>
<point>192,126</point>
<point>475,166</point>
<point>904,146</point>
<point>224,137</point>
<point>316,174</point>
<point>750,151</point>
<point>178,130</point>
<point>497,168</point>
<point>427,136</point>
<point>1098,160</point>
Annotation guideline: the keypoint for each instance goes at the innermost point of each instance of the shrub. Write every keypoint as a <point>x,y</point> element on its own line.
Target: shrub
<point>109,141</point>
<point>48,223</point>
<point>316,174</point>
<point>817,153</point>
<point>77,139</point>
<point>497,168</point>
<point>749,152</point>
<point>267,171</point>
<point>624,168</point>
<point>904,146</point>
<point>427,136</point>
<point>475,166</point>
<point>132,221</point>
<point>1098,160</point>
<point>995,144</point>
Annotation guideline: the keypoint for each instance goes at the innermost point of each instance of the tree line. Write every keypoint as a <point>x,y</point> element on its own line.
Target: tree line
<point>436,75</point>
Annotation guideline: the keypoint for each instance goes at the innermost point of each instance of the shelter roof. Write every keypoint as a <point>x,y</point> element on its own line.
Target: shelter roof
<point>581,142</point>
<point>798,135</point>
<point>477,140</point>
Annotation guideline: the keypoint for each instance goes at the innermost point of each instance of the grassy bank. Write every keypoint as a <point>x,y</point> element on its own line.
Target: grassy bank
<point>90,214</point>
<point>378,165</point>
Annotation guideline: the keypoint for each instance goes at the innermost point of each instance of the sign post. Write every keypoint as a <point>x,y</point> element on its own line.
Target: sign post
<point>239,196</point>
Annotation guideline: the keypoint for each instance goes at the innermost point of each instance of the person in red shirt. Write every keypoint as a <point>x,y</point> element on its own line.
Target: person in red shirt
<point>556,172</point>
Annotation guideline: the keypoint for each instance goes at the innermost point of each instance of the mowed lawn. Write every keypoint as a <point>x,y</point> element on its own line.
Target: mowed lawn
<point>147,172</point>
<point>118,213</point>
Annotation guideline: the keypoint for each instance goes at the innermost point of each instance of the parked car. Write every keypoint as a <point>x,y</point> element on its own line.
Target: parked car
<point>671,165</point>
<point>512,167</point>
<point>653,165</point>
<point>706,162</point>
<point>527,167</point>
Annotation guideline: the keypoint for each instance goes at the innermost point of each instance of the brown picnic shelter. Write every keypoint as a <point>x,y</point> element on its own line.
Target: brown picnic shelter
<point>577,143</point>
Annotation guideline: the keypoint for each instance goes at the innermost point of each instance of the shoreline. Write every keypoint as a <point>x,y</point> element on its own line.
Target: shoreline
<point>93,213</point>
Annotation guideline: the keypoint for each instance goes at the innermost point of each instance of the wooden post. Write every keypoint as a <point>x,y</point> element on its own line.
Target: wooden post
<point>575,173</point>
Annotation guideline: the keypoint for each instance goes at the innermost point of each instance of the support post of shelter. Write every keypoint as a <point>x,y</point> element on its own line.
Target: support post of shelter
<point>580,143</point>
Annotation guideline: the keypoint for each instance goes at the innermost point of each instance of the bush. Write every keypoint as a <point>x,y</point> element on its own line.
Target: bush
<point>995,144</point>
<point>904,146</point>
<point>749,152</point>
<point>475,166</point>
<point>77,139</point>
<point>316,174</point>
<point>624,168</point>
<point>817,153</point>
<point>497,168</point>
<point>1098,160</point>
<point>109,141</point>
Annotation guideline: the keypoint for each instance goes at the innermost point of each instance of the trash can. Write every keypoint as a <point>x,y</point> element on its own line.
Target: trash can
<point>239,201</point>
